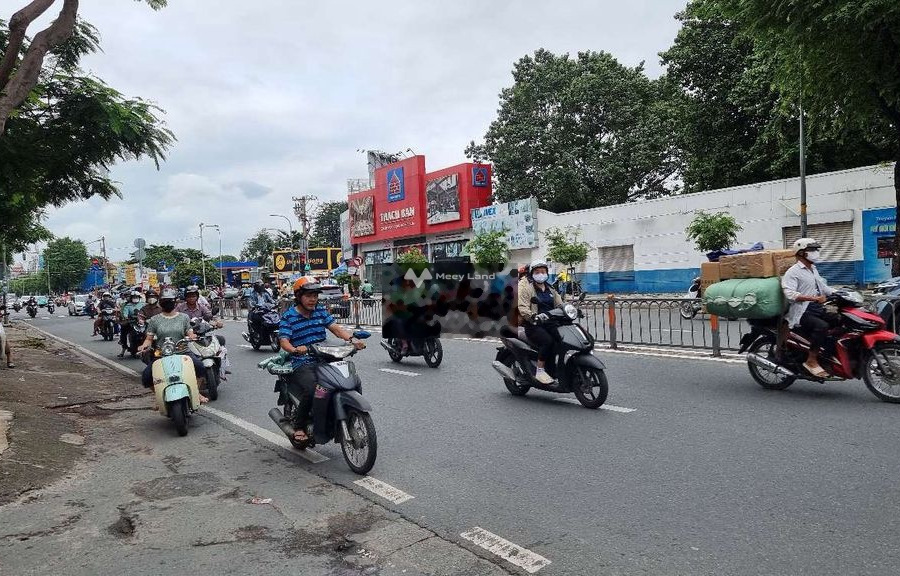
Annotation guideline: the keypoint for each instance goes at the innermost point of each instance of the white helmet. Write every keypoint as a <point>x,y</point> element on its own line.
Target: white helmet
<point>806,245</point>
<point>538,264</point>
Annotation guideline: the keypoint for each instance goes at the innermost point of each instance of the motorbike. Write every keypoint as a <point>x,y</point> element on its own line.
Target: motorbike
<point>339,411</point>
<point>50,306</point>
<point>135,332</point>
<point>32,309</point>
<point>90,309</point>
<point>691,305</point>
<point>108,324</point>
<point>860,347</point>
<point>428,348</point>
<point>209,349</point>
<point>17,306</point>
<point>269,319</point>
<point>574,366</point>
<point>175,383</point>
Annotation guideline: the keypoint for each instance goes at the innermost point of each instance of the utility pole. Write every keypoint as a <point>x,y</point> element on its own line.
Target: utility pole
<point>301,213</point>
<point>802,160</point>
<point>291,237</point>
<point>105,263</point>
<point>202,256</point>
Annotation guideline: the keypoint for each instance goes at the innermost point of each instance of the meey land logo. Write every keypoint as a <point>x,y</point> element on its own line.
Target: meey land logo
<point>419,279</point>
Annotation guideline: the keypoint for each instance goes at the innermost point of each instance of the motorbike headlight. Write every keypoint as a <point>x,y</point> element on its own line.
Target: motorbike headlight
<point>168,349</point>
<point>571,311</point>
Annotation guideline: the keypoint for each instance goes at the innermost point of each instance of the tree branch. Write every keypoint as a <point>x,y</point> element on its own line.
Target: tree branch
<point>18,25</point>
<point>26,77</point>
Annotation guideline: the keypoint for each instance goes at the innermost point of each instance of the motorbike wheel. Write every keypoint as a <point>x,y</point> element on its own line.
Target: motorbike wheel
<point>394,352</point>
<point>433,352</point>
<point>178,412</point>
<point>212,384</point>
<point>514,387</point>
<point>688,310</point>
<point>768,380</point>
<point>882,386</point>
<point>361,450</point>
<point>254,341</point>
<point>590,387</point>
<point>274,343</point>
<point>32,313</point>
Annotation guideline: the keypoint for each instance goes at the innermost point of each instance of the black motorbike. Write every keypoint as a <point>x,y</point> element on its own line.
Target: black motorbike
<point>267,333</point>
<point>90,309</point>
<point>50,307</point>
<point>574,366</point>
<point>428,348</point>
<point>135,333</point>
<point>17,306</point>
<point>32,308</point>
<point>108,323</point>
<point>339,411</point>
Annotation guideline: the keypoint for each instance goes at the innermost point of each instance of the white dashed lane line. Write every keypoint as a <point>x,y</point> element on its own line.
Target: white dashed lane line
<point>610,407</point>
<point>525,559</point>
<point>400,372</point>
<point>383,489</point>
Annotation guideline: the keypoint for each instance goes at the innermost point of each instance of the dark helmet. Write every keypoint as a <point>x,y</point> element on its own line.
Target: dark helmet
<point>151,293</point>
<point>258,286</point>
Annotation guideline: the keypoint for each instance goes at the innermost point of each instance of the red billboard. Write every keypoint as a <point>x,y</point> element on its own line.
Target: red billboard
<point>407,201</point>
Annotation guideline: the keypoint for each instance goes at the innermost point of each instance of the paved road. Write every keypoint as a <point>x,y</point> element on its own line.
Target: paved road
<point>709,474</point>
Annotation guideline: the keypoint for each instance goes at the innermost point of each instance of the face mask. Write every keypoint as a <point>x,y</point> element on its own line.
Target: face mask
<point>168,306</point>
<point>152,300</point>
<point>814,256</point>
<point>135,300</point>
<point>540,278</point>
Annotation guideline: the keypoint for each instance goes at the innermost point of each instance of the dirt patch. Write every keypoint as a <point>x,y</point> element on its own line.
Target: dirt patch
<point>337,537</point>
<point>124,527</point>
<point>177,486</point>
<point>66,524</point>
<point>252,533</point>
<point>172,463</point>
<point>35,342</point>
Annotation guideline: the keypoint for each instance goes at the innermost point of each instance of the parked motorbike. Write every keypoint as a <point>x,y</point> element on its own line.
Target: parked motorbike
<point>574,366</point>
<point>428,348</point>
<point>108,324</point>
<point>691,306</point>
<point>175,384</point>
<point>211,353</point>
<point>268,332</point>
<point>860,347</point>
<point>339,411</point>
<point>32,309</point>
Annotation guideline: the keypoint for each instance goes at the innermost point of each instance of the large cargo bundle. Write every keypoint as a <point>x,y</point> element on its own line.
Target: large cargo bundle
<point>763,264</point>
<point>754,298</point>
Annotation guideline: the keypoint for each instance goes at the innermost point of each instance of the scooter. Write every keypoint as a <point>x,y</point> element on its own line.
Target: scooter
<point>269,318</point>
<point>339,411</point>
<point>50,306</point>
<point>428,348</point>
<point>108,324</point>
<point>175,384</point>
<point>574,366</point>
<point>90,309</point>
<point>861,347</point>
<point>31,308</point>
<point>692,305</point>
<point>211,352</point>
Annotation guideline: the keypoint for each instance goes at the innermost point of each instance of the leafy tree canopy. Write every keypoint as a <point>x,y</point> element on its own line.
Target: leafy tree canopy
<point>259,247</point>
<point>327,224</point>
<point>67,261</point>
<point>488,249</point>
<point>566,246</point>
<point>711,232</point>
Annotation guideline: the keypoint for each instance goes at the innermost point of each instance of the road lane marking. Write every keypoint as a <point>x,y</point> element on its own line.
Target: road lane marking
<point>383,489</point>
<point>488,340</point>
<point>512,553</point>
<point>277,439</point>
<point>610,407</point>
<point>400,372</point>
<point>661,355</point>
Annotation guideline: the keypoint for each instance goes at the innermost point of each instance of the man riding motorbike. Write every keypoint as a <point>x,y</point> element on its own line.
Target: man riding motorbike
<point>106,301</point>
<point>194,307</point>
<point>258,297</point>
<point>536,298</point>
<point>304,324</point>
<point>807,292</point>
<point>128,315</point>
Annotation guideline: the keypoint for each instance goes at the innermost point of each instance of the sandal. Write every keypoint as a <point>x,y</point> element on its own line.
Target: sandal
<point>300,436</point>
<point>10,365</point>
<point>816,371</point>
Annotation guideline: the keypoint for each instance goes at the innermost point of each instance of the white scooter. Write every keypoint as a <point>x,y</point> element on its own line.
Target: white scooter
<point>211,352</point>
<point>175,383</point>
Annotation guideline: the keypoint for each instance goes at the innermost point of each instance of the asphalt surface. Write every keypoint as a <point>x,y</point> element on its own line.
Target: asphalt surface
<point>710,474</point>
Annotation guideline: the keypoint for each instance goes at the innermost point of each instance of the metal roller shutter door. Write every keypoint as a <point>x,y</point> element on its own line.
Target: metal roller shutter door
<point>617,259</point>
<point>837,249</point>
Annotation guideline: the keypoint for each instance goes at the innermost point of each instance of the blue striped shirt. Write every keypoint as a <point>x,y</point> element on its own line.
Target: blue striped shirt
<point>303,331</point>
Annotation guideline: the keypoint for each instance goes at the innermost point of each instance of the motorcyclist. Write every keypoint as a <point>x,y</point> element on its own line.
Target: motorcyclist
<point>807,293</point>
<point>367,290</point>
<point>194,307</point>
<point>259,297</point>
<point>128,315</point>
<point>167,324</point>
<point>106,301</point>
<point>151,308</point>
<point>304,324</point>
<point>536,298</point>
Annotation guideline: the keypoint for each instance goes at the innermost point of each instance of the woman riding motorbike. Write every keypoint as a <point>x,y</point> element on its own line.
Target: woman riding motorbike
<point>128,315</point>
<point>536,297</point>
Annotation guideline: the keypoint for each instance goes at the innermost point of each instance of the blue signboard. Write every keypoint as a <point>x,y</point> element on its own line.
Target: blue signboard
<point>479,177</point>
<point>879,228</point>
<point>395,185</point>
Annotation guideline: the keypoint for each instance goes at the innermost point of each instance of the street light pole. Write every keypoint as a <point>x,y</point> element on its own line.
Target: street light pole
<point>202,255</point>
<point>291,233</point>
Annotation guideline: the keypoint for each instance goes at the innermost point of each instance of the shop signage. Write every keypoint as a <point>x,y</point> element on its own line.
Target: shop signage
<point>879,227</point>
<point>395,186</point>
<point>479,176</point>
<point>518,218</point>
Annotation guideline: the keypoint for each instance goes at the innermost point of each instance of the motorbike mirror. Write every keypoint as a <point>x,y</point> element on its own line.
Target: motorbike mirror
<point>361,334</point>
<point>582,296</point>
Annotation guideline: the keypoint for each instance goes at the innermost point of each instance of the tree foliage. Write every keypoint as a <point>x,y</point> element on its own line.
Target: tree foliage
<point>67,261</point>
<point>566,246</point>
<point>488,249</point>
<point>327,225</point>
<point>711,232</point>
<point>581,132</point>
<point>259,247</point>
<point>169,255</point>
<point>412,256</point>
<point>187,273</point>
<point>62,139</point>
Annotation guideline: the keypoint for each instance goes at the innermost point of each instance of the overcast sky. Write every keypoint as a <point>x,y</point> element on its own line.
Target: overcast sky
<point>272,98</point>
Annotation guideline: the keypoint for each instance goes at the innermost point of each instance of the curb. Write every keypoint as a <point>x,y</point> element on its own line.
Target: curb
<point>106,361</point>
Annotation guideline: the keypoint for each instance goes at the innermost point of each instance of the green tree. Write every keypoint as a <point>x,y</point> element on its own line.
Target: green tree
<point>711,232</point>
<point>187,273</point>
<point>735,128</point>
<point>839,56</point>
<point>259,247</point>
<point>488,249</point>
<point>154,254</point>
<point>59,142</point>
<point>565,246</point>
<point>353,281</point>
<point>327,225</point>
<point>412,256</point>
<point>582,132</point>
<point>67,261</point>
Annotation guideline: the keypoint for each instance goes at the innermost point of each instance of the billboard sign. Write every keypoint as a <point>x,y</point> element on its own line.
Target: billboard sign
<point>395,185</point>
<point>362,216</point>
<point>442,199</point>
<point>879,227</point>
<point>518,218</point>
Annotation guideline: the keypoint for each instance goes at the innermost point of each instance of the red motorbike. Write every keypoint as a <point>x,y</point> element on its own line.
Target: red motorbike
<point>860,347</point>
